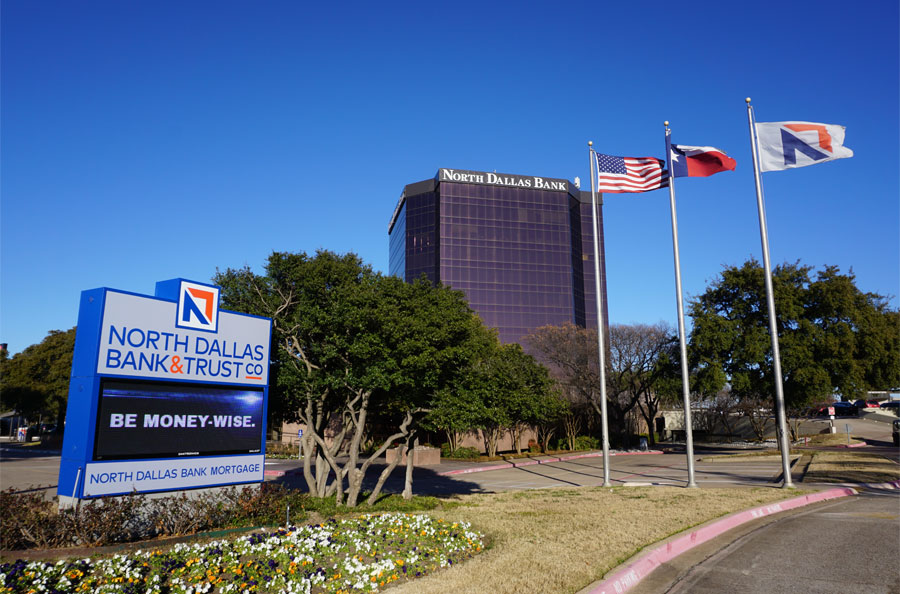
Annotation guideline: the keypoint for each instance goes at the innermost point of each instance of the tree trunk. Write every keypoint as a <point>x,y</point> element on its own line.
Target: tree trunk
<point>545,433</point>
<point>515,433</point>
<point>410,459</point>
<point>572,425</point>
<point>403,433</point>
<point>491,439</point>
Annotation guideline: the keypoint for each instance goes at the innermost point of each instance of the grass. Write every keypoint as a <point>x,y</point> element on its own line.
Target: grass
<point>562,540</point>
<point>851,467</point>
<point>747,457</point>
<point>831,439</point>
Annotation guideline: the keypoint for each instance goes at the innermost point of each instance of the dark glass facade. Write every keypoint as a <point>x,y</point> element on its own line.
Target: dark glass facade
<point>519,247</point>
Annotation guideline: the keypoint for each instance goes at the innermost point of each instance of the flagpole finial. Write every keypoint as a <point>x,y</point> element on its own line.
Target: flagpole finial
<point>747,100</point>
<point>666,123</point>
<point>590,143</point>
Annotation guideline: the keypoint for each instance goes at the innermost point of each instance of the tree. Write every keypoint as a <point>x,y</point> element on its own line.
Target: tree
<point>350,343</point>
<point>36,381</point>
<point>633,367</point>
<point>834,339</point>
<point>517,393</point>
<point>570,354</point>
<point>641,357</point>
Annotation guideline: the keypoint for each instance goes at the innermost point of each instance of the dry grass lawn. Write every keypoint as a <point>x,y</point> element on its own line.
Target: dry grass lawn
<point>748,457</point>
<point>561,540</point>
<point>832,439</point>
<point>851,467</point>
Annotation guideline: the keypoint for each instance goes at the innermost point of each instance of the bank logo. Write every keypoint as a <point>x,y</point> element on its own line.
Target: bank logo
<point>198,307</point>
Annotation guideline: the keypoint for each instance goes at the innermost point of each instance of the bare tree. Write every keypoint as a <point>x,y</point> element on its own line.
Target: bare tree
<point>641,358</point>
<point>633,369</point>
<point>758,412</point>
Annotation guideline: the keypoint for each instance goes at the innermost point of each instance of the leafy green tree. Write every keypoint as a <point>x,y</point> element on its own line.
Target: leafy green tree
<point>352,343</point>
<point>834,339</point>
<point>515,392</point>
<point>456,411</point>
<point>36,381</point>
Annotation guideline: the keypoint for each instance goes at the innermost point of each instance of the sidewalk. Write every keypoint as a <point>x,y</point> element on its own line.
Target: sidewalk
<point>450,467</point>
<point>466,466</point>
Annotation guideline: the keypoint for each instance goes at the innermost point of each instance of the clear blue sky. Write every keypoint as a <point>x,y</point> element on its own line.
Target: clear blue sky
<point>144,140</point>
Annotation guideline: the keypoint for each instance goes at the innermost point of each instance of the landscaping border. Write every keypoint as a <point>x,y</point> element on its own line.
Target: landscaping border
<point>627,576</point>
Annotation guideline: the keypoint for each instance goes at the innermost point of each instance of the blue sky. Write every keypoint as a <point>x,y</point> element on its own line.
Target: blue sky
<point>143,141</point>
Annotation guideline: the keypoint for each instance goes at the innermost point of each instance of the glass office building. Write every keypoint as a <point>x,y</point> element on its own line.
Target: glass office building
<point>519,247</point>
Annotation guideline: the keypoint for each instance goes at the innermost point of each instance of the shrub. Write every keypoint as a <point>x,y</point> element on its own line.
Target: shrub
<point>586,442</point>
<point>465,454</point>
<point>31,521</point>
<point>282,451</point>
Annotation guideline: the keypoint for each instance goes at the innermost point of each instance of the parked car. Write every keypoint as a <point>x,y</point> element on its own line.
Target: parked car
<point>866,403</point>
<point>895,432</point>
<point>844,409</point>
<point>841,409</point>
<point>891,405</point>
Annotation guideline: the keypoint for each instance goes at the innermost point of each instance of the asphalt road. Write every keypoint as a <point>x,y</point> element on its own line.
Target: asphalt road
<point>845,546</point>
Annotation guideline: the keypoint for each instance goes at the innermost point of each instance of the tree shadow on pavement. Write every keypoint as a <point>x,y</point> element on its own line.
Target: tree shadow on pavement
<point>426,481</point>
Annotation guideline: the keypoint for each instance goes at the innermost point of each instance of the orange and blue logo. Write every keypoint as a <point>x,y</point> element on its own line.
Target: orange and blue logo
<point>198,307</point>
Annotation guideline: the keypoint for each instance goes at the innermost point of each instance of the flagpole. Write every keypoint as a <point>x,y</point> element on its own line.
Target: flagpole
<point>685,376</point>
<point>770,301</point>
<point>600,337</point>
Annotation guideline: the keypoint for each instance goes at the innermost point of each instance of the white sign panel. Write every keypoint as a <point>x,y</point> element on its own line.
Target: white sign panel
<point>158,348</point>
<point>111,478</point>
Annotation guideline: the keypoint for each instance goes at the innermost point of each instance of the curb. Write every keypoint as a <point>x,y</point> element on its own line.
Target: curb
<point>627,577</point>
<point>31,450</point>
<point>506,465</point>
<point>892,486</point>
<point>853,445</point>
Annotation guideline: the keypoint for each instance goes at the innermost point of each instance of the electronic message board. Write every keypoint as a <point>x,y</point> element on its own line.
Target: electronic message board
<point>167,392</point>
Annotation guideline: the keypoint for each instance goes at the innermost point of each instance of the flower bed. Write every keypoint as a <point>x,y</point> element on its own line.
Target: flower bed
<point>363,554</point>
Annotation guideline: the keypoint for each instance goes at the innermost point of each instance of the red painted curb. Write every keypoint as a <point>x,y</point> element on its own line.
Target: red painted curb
<point>627,577</point>
<point>853,445</point>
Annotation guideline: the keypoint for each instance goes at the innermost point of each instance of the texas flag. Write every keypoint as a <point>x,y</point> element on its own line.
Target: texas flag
<point>698,161</point>
<point>785,145</point>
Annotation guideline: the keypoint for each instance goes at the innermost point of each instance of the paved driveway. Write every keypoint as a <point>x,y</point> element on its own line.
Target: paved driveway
<point>850,545</point>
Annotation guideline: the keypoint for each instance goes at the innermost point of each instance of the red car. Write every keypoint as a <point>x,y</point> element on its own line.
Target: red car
<point>866,404</point>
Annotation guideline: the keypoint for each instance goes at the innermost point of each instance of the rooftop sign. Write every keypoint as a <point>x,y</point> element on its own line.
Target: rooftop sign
<point>488,178</point>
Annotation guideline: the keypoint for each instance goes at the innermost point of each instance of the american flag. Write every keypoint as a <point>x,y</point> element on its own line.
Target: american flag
<point>630,174</point>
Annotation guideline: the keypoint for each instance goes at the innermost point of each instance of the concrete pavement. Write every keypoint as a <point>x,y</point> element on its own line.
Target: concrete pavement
<point>846,545</point>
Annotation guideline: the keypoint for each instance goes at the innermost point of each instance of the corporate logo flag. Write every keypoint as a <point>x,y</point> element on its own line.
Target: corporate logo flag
<point>785,145</point>
<point>617,175</point>
<point>698,161</point>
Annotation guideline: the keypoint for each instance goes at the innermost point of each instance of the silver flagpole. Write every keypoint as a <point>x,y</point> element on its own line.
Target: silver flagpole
<point>770,301</point>
<point>600,338</point>
<point>685,376</point>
